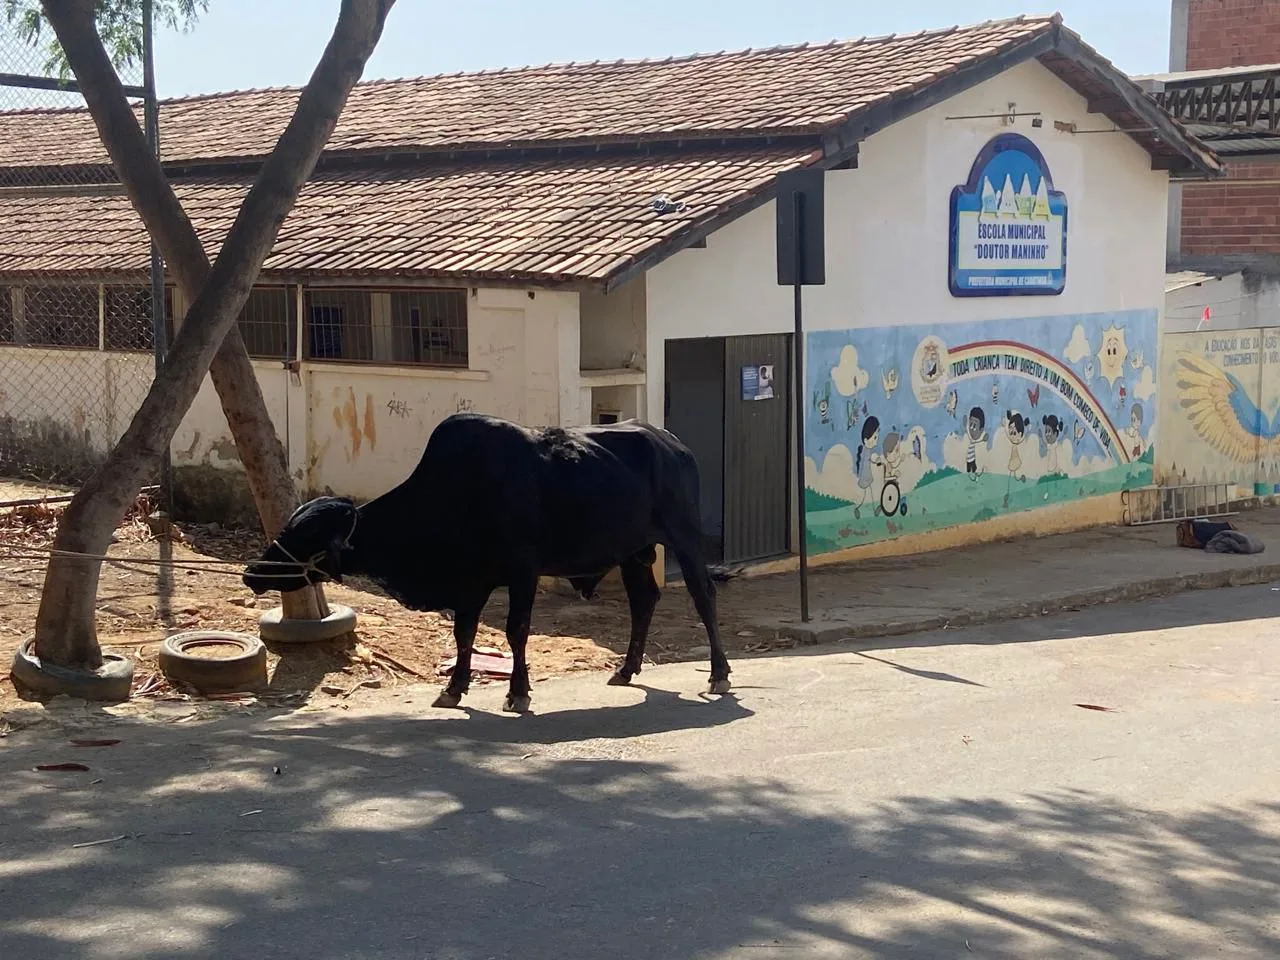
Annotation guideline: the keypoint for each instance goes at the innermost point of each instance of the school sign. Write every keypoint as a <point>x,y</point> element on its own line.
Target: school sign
<point>1008,225</point>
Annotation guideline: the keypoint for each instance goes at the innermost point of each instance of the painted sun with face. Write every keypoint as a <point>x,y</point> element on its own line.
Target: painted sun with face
<point>1112,354</point>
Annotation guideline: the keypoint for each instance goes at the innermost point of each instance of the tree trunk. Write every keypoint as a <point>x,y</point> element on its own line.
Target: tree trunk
<point>265,462</point>
<point>65,627</point>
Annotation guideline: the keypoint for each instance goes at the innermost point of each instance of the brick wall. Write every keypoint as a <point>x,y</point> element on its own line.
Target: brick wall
<point>1233,216</point>
<point>1232,33</point>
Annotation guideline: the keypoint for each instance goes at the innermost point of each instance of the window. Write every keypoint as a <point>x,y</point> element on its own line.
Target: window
<point>61,316</point>
<point>402,327</point>
<point>127,322</point>
<point>430,326</point>
<point>6,315</point>
<point>338,325</point>
<point>266,323</point>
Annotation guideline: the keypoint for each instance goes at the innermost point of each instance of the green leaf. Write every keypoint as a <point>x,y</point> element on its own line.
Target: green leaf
<point>119,25</point>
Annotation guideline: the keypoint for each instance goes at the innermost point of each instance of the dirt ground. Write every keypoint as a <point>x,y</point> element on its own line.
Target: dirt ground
<point>139,605</point>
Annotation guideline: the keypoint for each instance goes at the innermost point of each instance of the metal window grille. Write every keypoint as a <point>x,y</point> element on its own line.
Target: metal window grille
<point>335,321</point>
<point>59,316</point>
<point>399,327</point>
<point>430,327</point>
<point>6,314</point>
<point>267,322</point>
<point>126,318</point>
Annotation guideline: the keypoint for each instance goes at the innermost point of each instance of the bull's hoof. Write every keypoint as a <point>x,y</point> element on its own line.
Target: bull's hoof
<point>516,704</point>
<point>619,679</point>
<point>447,700</point>
<point>720,687</point>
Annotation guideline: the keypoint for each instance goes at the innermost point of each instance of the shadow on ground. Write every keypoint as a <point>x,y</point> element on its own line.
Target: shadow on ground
<point>469,838</point>
<point>1193,608</point>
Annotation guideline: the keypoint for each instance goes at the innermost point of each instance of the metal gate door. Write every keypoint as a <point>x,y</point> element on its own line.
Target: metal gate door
<point>695,413</point>
<point>757,458</point>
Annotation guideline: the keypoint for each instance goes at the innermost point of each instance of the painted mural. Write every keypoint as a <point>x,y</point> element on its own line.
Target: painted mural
<point>1220,416</point>
<point>911,429</point>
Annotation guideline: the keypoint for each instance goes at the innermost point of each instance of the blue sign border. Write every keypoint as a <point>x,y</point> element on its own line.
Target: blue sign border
<point>973,189</point>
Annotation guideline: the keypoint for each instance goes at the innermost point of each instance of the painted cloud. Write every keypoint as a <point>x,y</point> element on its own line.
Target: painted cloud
<point>1078,348</point>
<point>847,376</point>
<point>1146,386</point>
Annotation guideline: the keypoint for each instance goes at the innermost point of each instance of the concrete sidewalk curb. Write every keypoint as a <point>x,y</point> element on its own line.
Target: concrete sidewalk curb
<point>835,631</point>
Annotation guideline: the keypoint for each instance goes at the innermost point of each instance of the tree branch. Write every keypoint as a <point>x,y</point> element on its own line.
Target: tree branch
<point>158,207</point>
<point>222,291</point>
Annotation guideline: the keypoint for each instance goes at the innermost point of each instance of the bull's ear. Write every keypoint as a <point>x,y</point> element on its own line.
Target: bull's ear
<point>333,553</point>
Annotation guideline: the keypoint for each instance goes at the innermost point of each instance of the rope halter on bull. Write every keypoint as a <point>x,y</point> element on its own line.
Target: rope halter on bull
<point>310,565</point>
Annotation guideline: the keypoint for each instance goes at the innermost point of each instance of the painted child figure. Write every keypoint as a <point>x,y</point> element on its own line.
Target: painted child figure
<point>976,431</point>
<point>1133,434</point>
<point>1016,427</point>
<point>1052,428</point>
<point>865,461</point>
<point>893,453</point>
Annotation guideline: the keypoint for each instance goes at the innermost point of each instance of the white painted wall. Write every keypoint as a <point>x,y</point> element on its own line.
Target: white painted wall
<point>613,328</point>
<point>887,229</point>
<point>1238,301</point>
<point>91,394</point>
<point>355,429</point>
<point>203,437</point>
<point>359,429</point>
<point>1225,297</point>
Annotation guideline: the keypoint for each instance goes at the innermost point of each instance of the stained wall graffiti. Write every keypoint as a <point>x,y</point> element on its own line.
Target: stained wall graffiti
<point>1220,409</point>
<point>916,428</point>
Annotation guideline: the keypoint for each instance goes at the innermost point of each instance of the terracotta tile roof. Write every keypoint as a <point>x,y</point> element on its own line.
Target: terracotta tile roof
<point>551,220</point>
<point>781,90</point>
<point>539,175</point>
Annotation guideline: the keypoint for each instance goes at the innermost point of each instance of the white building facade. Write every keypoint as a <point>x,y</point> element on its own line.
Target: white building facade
<point>981,359</point>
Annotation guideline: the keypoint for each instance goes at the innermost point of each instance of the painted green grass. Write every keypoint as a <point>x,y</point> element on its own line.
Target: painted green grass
<point>957,499</point>
<point>933,476</point>
<point>815,502</point>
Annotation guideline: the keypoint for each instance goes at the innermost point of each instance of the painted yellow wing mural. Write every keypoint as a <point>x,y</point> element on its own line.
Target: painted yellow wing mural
<point>1222,414</point>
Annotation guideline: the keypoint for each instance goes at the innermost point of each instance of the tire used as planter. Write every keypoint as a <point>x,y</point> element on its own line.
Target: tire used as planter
<point>110,683</point>
<point>243,670</point>
<point>274,628</point>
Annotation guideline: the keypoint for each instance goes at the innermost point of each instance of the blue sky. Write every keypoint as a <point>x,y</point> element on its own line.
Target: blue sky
<point>257,43</point>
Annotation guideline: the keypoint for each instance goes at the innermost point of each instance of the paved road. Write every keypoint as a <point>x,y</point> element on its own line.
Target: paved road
<point>937,798</point>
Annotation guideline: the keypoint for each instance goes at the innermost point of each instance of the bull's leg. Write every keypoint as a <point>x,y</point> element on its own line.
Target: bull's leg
<point>465,624</point>
<point>519,614</point>
<point>643,593</point>
<point>703,591</point>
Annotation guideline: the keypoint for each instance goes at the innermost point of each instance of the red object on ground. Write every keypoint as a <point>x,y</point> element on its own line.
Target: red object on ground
<point>484,660</point>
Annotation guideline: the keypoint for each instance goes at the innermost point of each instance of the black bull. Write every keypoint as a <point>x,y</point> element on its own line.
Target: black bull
<point>494,504</point>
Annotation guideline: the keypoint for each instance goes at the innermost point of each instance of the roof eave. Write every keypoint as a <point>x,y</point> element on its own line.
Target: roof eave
<point>1190,156</point>
<point>1187,154</point>
<point>840,147</point>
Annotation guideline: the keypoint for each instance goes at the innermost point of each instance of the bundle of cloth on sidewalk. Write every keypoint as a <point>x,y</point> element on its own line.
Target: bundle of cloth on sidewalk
<point>1216,537</point>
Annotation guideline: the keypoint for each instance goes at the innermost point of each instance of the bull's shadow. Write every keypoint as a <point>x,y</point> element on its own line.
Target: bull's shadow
<point>661,711</point>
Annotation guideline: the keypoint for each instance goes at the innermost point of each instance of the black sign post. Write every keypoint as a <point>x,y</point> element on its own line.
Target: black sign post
<point>801,263</point>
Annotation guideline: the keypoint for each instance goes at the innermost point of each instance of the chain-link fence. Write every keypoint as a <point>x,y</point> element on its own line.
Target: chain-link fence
<point>77,337</point>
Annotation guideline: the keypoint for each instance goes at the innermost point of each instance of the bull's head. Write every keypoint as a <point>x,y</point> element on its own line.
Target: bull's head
<point>309,548</point>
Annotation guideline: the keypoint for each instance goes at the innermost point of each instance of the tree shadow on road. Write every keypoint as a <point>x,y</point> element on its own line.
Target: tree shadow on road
<point>381,837</point>
<point>1195,608</point>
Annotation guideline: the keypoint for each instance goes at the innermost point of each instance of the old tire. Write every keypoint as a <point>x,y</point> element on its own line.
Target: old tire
<point>274,628</point>
<point>244,671</point>
<point>110,683</point>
